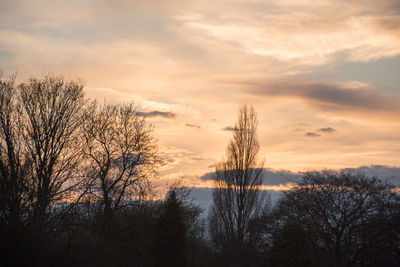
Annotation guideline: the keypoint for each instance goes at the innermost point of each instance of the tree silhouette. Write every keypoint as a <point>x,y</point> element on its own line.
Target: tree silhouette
<point>14,174</point>
<point>120,154</point>
<point>350,218</point>
<point>291,246</point>
<point>170,234</point>
<point>13,166</point>
<point>52,110</point>
<point>237,198</point>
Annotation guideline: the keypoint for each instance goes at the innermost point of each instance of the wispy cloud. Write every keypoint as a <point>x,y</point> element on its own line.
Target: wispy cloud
<point>198,158</point>
<point>326,64</point>
<point>193,125</point>
<point>274,177</point>
<point>228,129</point>
<point>312,134</point>
<point>302,35</point>
<point>327,130</point>
<point>299,130</point>
<point>156,113</point>
<point>330,97</point>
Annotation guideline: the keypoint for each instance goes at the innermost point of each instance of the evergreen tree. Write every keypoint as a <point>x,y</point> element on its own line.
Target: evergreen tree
<point>169,237</point>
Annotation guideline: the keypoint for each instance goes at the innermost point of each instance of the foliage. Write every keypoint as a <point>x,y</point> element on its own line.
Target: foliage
<point>291,247</point>
<point>170,234</point>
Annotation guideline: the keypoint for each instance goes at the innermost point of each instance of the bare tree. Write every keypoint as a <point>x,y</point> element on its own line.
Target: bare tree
<point>52,110</point>
<point>350,218</point>
<point>121,154</point>
<point>237,197</point>
<point>13,166</point>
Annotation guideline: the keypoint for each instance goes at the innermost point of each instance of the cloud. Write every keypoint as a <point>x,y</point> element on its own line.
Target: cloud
<point>327,130</point>
<point>189,53</point>
<point>228,128</point>
<point>323,130</point>
<point>276,181</point>
<point>304,34</point>
<point>312,134</point>
<point>180,160</point>
<point>208,176</point>
<point>330,97</point>
<point>299,130</point>
<point>192,125</point>
<point>302,124</point>
<point>198,158</point>
<point>271,177</point>
<point>156,113</point>
<point>391,174</point>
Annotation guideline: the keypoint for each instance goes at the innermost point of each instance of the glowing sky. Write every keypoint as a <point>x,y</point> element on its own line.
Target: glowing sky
<point>324,76</point>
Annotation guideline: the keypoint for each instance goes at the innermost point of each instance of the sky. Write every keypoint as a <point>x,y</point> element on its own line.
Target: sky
<point>323,76</point>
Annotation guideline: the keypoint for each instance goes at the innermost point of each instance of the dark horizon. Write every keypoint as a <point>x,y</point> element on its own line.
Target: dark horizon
<point>322,75</point>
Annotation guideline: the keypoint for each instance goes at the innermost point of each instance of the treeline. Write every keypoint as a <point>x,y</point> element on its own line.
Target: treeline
<point>75,189</point>
<point>327,219</point>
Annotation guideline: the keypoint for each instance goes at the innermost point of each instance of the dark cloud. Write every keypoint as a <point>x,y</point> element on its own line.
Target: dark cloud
<point>271,177</point>
<point>203,196</point>
<point>280,177</point>
<point>192,125</point>
<point>330,97</point>
<point>327,130</point>
<point>312,134</point>
<point>389,24</point>
<point>386,173</point>
<point>228,128</point>
<point>156,113</point>
<point>209,175</point>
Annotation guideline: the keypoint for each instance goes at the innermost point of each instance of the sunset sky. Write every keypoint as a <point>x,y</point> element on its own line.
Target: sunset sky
<point>323,76</point>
